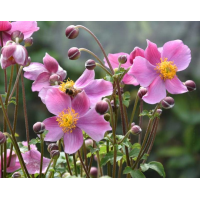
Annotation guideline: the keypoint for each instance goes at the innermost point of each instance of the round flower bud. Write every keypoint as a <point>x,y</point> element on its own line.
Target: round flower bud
<point>101,107</point>
<point>90,64</point>
<point>66,175</point>
<point>74,53</point>
<point>78,163</point>
<point>89,142</point>
<point>94,172</point>
<point>38,127</point>
<point>142,91</point>
<point>107,117</point>
<point>71,32</point>
<point>54,78</point>
<point>191,85</point>
<point>55,154</point>
<point>16,175</point>
<point>135,130</point>
<point>167,102</point>
<point>132,124</point>
<point>52,146</point>
<point>28,61</point>
<point>17,36</point>
<point>2,138</point>
<point>159,111</point>
<point>122,59</point>
<point>28,42</point>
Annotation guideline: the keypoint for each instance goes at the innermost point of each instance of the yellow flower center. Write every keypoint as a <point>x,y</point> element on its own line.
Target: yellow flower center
<point>66,85</point>
<point>67,120</point>
<point>166,69</point>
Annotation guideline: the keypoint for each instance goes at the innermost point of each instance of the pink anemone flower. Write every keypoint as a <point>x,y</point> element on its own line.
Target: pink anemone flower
<point>26,27</point>
<point>32,159</point>
<point>94,88</point>
<point>14,163</point>
<point>13,53</point>
<point>72,116</point>
<point>32,146</point>
<point>113,58</point>
<point>157,69</point>
<point>41,74</point>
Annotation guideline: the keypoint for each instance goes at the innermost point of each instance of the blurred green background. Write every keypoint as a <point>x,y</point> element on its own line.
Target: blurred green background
<point>177,144</point>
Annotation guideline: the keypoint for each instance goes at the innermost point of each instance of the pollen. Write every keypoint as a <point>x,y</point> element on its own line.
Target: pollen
<point>65,85</point>
<point>166,69</point>
<point>67,120</point>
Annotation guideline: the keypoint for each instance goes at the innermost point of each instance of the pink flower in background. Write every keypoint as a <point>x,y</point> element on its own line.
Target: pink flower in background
<point>41,74</point>
<point>72,116</point>
<point>26,27</point>
<point>32,146</point>
<point>12,54</point>
<point>14,164</point>
<point>113,58</point>
<point>157,69</point>
<point>95,89</point>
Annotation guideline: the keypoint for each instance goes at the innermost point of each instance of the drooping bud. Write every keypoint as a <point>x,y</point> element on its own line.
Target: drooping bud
<point>38,127</point>
<point>159,111</point>
<point>167,102</point>
<point>101,107</point>
<point>2,138</point>
<point>74,53</point>
<point>55,154</point>
<point>94,172</point>
<point>52,146</point>
<point>54,78</point>
<point>122,59</point>
<point>89,142</point>
<point>90,64</point>
<point>191,85</point>
<point>16,175</point>
<point>142,91</point>
<point>135,130</point>
<point>71,32</point>
<point>17,36</point>
<point>28,42</point>
<point>107,117</point>
<point>28,61</point>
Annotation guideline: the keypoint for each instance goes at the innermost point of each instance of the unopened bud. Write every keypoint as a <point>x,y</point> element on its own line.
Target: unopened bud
<point>17,36</point>
<point>38,127</point>
<point>135,130</point>
<point>78,163</point>
<point>142,91</point>
<point>71,32</point>
<point>16,175</point>
<point>159,111</point>
<point>94,172</point>
<point>90,64</point>
<point>28,61</point>
<point>191,85</point>
<point>2,138</point>
<point>54,78</point>
<point>74,53</point>
<point>28,42</point>
<point>132,124</point>
<point>122,59</point>
<point>66,175</point>
<point>52,146</point>
<point>167,102</point>
<point>55,154</point>
<point>101,107</point>
<point>89,142</point>
<point>107,117</point>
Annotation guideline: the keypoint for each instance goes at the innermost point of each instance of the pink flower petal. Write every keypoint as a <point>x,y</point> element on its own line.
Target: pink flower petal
<point>129,80</point>
<point>156,91</point>
<point>54,131</point>
<point>94,125</point>
<point>97,89</point>
<point>13,168</point>
<point>50,63</point>
<point>73,141</point>
<point>177,52</point>
<point>175,86</point>
<point>84,79</point>
<point>41,81</point>
<point>6,37</point>
<point>136,52</point>
<point>56,101</point>
<point>34,70</point>
<point>62,73</point>
<point>143,71</point>
<point>6,63</point>
<point>8,50</point>
<point>152,54</point>
<point>32,146</point>
<point>5,25</point>
<point>81,103</point>
<point>20,55</point>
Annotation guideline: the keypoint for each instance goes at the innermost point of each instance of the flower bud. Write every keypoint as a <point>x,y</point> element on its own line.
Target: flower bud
<point>101,107</point>
<point>94,172</point>
<point>89,142</point>
<point>191,85</point>
<point>28,61</point>
<point>55,154</point>
<point>122,59</point>
<point>71,32</point>
<point>142,91</point>
<point>167,102</point>
<point>54,78</point>
<point>159,111</point>
<point>66,175</point>
<point>2,138</point>
<point>90,64</point>
<point>78,163</point>
<point>95,157</point>
<point>16,175</point>
<point>132,124</point>
<point>74,53</point>
<point>107,117</point>
<point>17,36</point>
<point>135,130</point>
<point>38,127</point>
<point>28,42</point>
<point>52,146</point>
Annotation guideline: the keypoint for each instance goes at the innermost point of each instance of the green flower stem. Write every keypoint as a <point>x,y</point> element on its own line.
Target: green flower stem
<point>104,68</point>
<point>48,167</point>
<point>85,155</point>
<point>68,165</point>
<point>120,169</point>
<point>98,161</point>
<point>140,121</point>
<point>86,172</point>
<point>75,167</point>
<point>133,112</point>
<point>126,136</point>
<point>90,165</point>
<point>108,164</point>
<point>42,153</point>
<point>5,159</point>
<point>51,174</point>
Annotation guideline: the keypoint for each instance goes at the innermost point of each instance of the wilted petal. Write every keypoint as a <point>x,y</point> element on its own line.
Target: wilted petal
<point>41,81</point>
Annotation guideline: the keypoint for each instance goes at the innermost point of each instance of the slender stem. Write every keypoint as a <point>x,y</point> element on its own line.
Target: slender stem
<point>85,155</point>
<point>90,165</point>
<point>98,162</point>
<point>86,172</point>
<point>48,167</point>
<point>68,165</point>
<point>102,67</point>
<point>42,153</point>
<point>140,121</point>
<point>120,169</point>
<point>126,136</point>
<point>51,174</point>
<point>5,160</point>
<point>133,112</point>
<point>75,168</point>
<point>1,161</point>
<point>108,164</point>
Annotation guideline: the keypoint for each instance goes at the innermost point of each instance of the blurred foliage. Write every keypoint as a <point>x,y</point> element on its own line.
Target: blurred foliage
<point>177,145</point>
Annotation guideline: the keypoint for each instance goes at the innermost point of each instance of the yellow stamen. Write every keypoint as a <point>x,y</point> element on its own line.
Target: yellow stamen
<point>67,120</point>
<point>65,85</point>
<point>166,69</point>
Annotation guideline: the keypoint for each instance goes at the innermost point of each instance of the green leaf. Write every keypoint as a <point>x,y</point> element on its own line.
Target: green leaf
<point>109,157</point>
<point>109,78</point>
<point>136,145</point>
<point>35,141</point>
<point>92,150</point>
<point>127,170</point>
<point>137,174</point>
<point>126,98</point>
<point>134,153</point>
<point>144,113</point>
